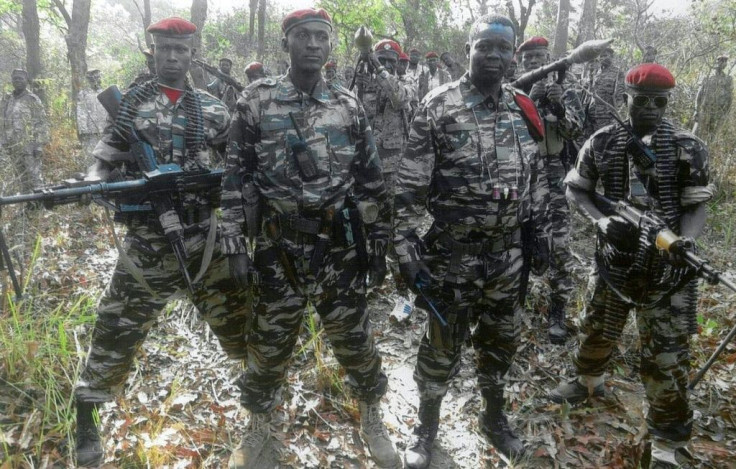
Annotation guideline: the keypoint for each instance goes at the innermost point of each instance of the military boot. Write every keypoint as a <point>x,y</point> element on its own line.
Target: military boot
<point>258,432</point>
<point>89,447</point>
<point>374,434</point>
<point>556,321</point>
<point>494,425</point>
<point>418,454</point>
<point>679,458</point>
<point>575,392</point>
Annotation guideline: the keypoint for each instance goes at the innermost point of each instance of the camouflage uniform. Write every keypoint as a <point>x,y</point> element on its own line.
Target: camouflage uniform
<point>128,309</point>
<point>91,118</point>
<point>262,137</point>
<point>23,133</point>
<point>224,92</point>
<point>713,102</point>
<point>427,82</point>
<point>665,327</point>
<point>474,169</point>
<point>608,84</point>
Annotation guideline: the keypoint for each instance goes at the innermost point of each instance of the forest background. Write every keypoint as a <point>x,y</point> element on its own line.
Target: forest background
<point>181,407</point>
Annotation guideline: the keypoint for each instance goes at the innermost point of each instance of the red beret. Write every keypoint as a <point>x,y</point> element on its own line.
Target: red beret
<point>172,27</point>
<point>253,66</point>
<point>413,51</point>
<point>534,42</point>
<point>305,15</point>
<point>403,57</point>
<point>387,45</point>
<point>331,64</point>
<point>431,55</point>
<point>650,76</point>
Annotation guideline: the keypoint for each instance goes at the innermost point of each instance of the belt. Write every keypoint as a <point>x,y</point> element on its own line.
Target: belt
<point>496,243</point>
<point>292,227</point>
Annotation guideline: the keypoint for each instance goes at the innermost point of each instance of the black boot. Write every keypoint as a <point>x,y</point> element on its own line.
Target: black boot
<point>557,328</point>
<point>89,447</point>
<point>494,425</point>
<point>418,454</point>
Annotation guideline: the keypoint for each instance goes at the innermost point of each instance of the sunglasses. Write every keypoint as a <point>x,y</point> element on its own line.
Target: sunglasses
<point>642,100</point>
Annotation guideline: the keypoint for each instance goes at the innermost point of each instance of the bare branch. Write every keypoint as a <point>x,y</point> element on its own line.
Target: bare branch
<point>62,10</point>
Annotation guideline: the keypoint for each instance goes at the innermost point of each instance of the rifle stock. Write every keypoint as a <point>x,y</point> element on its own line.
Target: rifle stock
<point>216,72</point>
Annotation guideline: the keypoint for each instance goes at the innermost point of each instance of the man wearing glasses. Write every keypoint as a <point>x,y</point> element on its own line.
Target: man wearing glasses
<point>675,187</point>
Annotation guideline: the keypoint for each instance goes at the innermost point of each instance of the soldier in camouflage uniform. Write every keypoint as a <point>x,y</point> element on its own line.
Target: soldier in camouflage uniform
<point>411,85</point>
<point>150,72</point>
<point>222,90</point>
<point>307,150</point>
<point>714,100</point>
<point>608,86</point>
<point>91,116</point>
<point>254,71</point>
<point>181,125</point>
<point>471,162</point>
<point>563,118</point>
<point>432,76</point>
<point>331,76</point>
<point>415,69</point>
<point>676,189</point>
<point>650,55</point>
<point>453,67</point>
<point>23,131</point>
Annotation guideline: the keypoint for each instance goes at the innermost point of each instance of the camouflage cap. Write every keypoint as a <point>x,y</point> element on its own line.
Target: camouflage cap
<point>173,27</point>
<point>19,71</point>
<point>93,72</point>
<point>225,59</point>
<point>305,15</point>
<point>650,77</point>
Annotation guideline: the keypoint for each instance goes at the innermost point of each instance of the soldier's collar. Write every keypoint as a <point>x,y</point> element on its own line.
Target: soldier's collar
<point>288,92</point>
<point>474,97</point>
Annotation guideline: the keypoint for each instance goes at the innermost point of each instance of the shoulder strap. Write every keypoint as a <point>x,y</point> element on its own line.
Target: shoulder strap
<point>530,113</point>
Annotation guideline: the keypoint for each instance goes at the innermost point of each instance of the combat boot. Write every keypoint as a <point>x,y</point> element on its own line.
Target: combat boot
<point>575,392</point>
<point>418,454</point>
<point>679,458</point>
<point>258,432</point>
<point>495,426</point>
<point>89,447</point>
<point>374,434</point>
<point>557,328</point>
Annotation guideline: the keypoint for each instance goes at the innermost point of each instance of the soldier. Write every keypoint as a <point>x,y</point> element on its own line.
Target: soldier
<point>713,100</point>
<point>254,71</point>
<point>650,55</point>
<point>511,72</point>
<point>402,64</point>
<point>150,72</point>
<point>454,68</point>
<point>23,131</point>
<point>91,116</point>
<point>415,69</point>
<point>433,76</point>
<point>222,90</point>
<point>181,125</point>
<point>307,149</point>
<point>563,118</point>
<point>331,76</point>
<point>282,66</point>
<point>608,87</point>
<point>411,85</point>
<point>676,188</point>
<point>471,163</point>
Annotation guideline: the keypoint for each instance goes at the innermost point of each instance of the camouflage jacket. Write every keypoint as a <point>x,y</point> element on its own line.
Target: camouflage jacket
<point>91,115</point>
<point>428,82</point>
<point>162,124</point>
<point>23,121</point>
<point>386,100</point>
<point>333,124</point>
<point>224,92</point>
<point>463,161</point>
<point>716,93</point>
<point>608,84</point>
<point>563,121</point>
<point>595,163</point>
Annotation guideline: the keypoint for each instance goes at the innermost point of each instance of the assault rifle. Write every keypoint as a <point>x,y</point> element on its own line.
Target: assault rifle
<point>124,196</point>
<point>218,73</point>
<point>643,155</point>
<point>665,240</point>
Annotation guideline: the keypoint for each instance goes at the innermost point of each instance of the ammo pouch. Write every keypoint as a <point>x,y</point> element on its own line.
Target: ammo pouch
<point>304,158</point>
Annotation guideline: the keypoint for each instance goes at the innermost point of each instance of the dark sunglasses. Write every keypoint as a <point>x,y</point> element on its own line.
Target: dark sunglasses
<point>642,100</point>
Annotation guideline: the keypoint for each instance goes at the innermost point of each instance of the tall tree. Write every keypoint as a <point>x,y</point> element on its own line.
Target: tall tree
<point>199,16</point>
<point>261,30</point>
<point>252,8</point>
<point>145,12</point>
<point>522,20</point>
<point>563,23</point>
<point>77,25</point>
<point>31,32</point>
<point>586,28</point>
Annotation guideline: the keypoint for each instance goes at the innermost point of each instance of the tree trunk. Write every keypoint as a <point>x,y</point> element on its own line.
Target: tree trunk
<point>199,16</point>
<point>563,22</point>
<point>586,30</point>
<point>31,32</point>
<point>261,29</point>
<point>252,20</point>
<point>147,22</point>
<point>76,42</point>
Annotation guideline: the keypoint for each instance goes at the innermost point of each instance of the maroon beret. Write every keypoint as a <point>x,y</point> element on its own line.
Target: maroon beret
<point>253,66</point>
<point>305,15</point>
<point>414,50</point>
<point>175,27</point>
<point>534,42</point>
<point>650,76</point>
<point>431,55</point>
<point>388,45</point>
<point>403,57</point>
<point>331,65</point>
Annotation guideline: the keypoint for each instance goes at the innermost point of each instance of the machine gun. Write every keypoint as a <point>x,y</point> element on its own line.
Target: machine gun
<point>585,52</point>
<point>218,73</point>
<point>665,240</point>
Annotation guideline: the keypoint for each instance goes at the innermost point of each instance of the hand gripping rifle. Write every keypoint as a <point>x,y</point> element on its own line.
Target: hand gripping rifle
<point>585,52</point>
<point>665,240</point>
<point>218,73</point>
<point>363,41</point>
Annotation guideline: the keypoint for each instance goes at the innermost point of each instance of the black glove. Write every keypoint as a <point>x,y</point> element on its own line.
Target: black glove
<point>376,270</point>
<point>241,269</point>
<point>618,232</point>
<point>415,274</point>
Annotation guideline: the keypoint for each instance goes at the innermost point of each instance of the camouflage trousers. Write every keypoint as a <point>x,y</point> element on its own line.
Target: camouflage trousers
<point>560,261</point>
<point>127,310</point>
<point>664,355</point>
<point>26,164</point>
<point>338,295</point>
<point>88,142</point>
<point>487,300</point>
